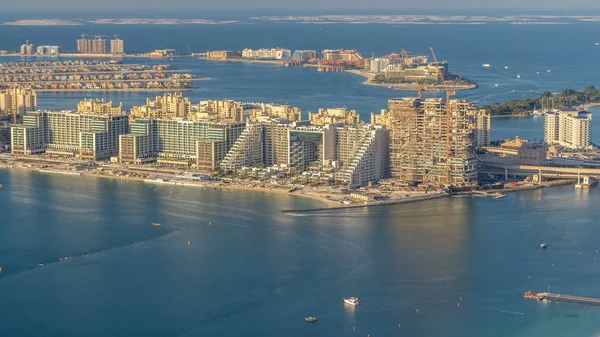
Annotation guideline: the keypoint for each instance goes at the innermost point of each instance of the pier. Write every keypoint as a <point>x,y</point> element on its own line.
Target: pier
<point>562,297</point>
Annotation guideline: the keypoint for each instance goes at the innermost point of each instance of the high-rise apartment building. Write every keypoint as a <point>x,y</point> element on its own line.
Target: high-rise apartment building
<point>171,142</point>
<point>48,50</point>
<point>304,55</point>
<point>91,46</point>
<point>27,49</point>
<point>117,46</point>
<point>17,101</point>
<point>568,127</point>
<point>431,140</point>
<point>267,54</point>
<point>66,133</point>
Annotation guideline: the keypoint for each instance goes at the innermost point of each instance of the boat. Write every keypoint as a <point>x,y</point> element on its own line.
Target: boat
<point>506,67</point>
<point>597,44</point>
<point>537,72</point>
<point>548,71</point>
<point>310,319</point>
<point>498,195</point>
<point>514,90</point>
<point>544,245</point>
<point>486,65</point>
<point>496,85</point>
<point>351,300</point>
<point>518,75</point>
<point>155,224</point>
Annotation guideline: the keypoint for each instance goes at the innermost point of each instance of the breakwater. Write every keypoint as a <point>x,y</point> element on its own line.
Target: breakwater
<point>370,204</point>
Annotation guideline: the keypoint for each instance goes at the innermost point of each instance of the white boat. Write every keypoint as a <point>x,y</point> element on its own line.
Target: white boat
<point>518,75</point>
<point>597,44</point>
<point>548,71</point>
<point>506,67</point>
<point>155,224</point>
<point>351,300</point>
<point>496,85</point>
<point>310,319</point>
<point>544,245</point>
<point>486,65</point>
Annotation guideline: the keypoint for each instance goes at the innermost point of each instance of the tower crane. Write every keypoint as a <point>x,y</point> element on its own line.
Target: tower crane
<point>449,94</point>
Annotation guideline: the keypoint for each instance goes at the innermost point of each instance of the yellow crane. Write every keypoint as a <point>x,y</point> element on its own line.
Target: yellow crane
<point>449,94</point>
<point>419,82</point>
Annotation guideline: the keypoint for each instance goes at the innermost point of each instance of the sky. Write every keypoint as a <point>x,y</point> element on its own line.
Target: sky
<point>341,5</point>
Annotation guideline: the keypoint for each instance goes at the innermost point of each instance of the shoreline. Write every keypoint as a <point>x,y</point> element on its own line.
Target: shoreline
<point>405,86</point>
<point>218,186</point>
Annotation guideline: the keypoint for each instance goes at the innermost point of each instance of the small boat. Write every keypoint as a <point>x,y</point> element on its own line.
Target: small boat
<point>518,75</point>
<point>496,85</point>
<point>498,195</point>
<point>351,300</point>
<point>310,319</point>
<point>548,71</point>
<point>537,72</point>
<point>486,65</point>
<point>544,245</point>
<point>514,90</point>
<point>506,67</point>
<point>597,44</point>
<point>155,224</point>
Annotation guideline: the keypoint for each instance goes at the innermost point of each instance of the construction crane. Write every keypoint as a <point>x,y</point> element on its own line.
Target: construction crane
<point>83,36</point>
<point>404,53</point>
<point>116,36</point>
<point>449,94</point>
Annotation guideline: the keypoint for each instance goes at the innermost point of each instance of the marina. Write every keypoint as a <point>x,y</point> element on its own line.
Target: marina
<point>561,297</point>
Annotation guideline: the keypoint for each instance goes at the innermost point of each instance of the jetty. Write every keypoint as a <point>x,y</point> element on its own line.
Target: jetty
<point>562,297</point>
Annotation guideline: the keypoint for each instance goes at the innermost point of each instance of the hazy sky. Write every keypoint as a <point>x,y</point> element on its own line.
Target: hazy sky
<point>296,4</point>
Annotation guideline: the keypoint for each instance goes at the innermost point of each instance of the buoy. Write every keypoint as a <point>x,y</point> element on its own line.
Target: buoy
<point>530,277</point>
<point>579,253</point>
<point>189,243</point>
<point>0,269</point>
<point>461,298</point>
<point>417,310</point>
<point>398,325</point>
<point>458,304</point>
<point>354,328</point>
<point>553,265</point>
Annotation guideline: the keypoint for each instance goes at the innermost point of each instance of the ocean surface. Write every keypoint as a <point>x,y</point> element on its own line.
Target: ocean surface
<point>448,267</point>
<point>462,262</point>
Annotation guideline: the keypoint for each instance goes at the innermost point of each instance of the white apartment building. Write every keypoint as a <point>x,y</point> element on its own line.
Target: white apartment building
<point>568,127</point>
<point>267,54</point>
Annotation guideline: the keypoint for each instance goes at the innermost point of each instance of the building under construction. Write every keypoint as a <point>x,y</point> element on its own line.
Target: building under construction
<point>431,140</point>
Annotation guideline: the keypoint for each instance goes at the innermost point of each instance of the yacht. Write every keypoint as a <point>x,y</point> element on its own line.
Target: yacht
<point>544,245</point>
<point>351,300</point>
<point>506,67</point>
<point>310,319</point>
<point>486,65</point>
<point>496,84</point>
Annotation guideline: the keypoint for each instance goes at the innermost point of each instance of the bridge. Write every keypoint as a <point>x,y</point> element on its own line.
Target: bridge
<point>562,297</point>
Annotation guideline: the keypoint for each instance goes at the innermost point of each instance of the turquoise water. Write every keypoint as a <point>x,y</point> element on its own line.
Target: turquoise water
<point>258,272</point>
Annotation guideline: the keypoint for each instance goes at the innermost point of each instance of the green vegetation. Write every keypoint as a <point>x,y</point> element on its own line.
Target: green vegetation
<point>451,79</point>
<point>567,98</point>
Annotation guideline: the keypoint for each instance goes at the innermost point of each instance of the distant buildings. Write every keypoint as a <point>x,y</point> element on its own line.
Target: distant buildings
<point>528,153</point>
<point>163,53</point>
<point>267,54</point>
<point>219,110</point>
<point>269,111</point>
<point>304,55</point>
<point>221,54</point>
<point>334,116</point>
<point>66,133</point>
<point>27,49</point>
<point>17,101</point>
<point>100,107</point>
<point>166,106</point>
<point>568,127</point>
<point>341,55</point>
<point>91,46</point>
<point>48,50</point>
<point>117,46</point>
